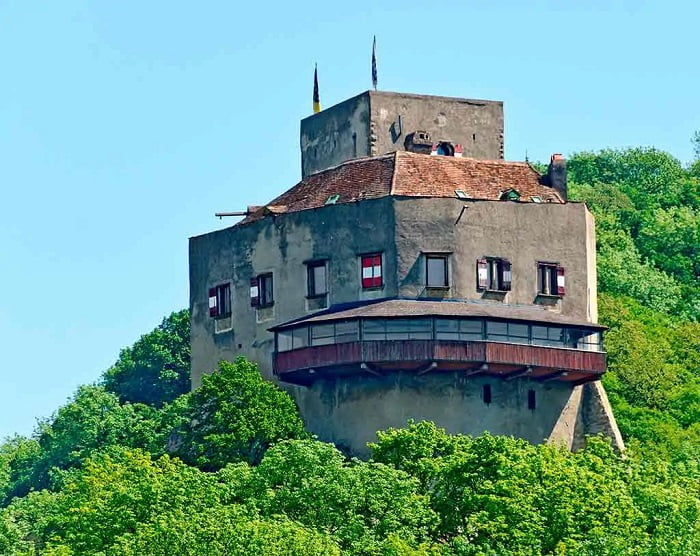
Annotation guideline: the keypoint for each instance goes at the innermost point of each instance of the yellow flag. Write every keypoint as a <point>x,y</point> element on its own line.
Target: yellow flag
<point>317,101</point>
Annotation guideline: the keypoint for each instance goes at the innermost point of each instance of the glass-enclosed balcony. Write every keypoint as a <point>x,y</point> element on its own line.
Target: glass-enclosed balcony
<point>308,350</point>
<point>464,330</point>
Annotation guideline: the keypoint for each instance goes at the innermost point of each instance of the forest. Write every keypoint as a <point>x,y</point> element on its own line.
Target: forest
<point>136,464</point>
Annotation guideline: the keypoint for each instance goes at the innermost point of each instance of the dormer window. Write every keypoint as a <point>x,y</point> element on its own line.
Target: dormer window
<point>510,195</point>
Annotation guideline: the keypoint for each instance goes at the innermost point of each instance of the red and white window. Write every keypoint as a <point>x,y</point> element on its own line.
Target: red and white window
<point>371,271</point>
<point>551,279</point>
<point>220,300</point>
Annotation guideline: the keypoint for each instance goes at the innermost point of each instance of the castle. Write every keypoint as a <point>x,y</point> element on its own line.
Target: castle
<point>412,274</point>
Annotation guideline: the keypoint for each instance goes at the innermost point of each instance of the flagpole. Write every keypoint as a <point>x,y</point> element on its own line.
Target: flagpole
<point>316,103</point>
<point>374,62</point>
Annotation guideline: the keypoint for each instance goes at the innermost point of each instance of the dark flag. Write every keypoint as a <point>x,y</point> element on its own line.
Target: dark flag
<point>374,63</point>
<point>317,100</point>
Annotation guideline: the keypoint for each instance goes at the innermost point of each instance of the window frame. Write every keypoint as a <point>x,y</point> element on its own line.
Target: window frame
<point>220,301</point>
<point>494,274</point>
<point>550,279</point>
<point>446,270</point>
<point>369,261</point>
<point>311,285</point>
<point>263,291</point>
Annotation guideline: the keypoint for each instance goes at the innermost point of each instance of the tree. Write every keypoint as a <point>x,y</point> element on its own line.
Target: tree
<point>234,416</point>
<point>156,369</point>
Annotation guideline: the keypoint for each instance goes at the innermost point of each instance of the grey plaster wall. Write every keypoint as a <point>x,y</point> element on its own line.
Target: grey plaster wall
<point>348,412</point>
<point>282,245</point>
<point>368,124</point>
<point>475,124</point>
<point>335,135</point>
<point>523,233</point>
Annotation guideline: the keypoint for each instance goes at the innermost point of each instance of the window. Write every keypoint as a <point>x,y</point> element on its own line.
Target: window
<point>552,336</point>
<point>511,332</point>
<point>531,400</point>
<point>317,284</point>
<point>459,330</point>
<point>261,292</point>
<point>436,271</point>
<point>397,329</point>
<point>220,300</point>
<point>493,274</point>
<point>550,279</point>
<point>487,394</point>
<point>371,271</point>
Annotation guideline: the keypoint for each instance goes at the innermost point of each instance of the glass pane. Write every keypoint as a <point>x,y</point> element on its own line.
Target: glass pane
<point>497,331</point>
<point>557,335</point>
<point>373,330</point>
<point>518,333</point>
<point>300,337</point>
<point>347,331</point>
<point>420,329</point>
<point>446,329</point>
<point>320,280</point>
<point>539,333</point>
<point>284,340</point>
<point>471,330</point>
<point>322,335</point>
<point>436,272</point>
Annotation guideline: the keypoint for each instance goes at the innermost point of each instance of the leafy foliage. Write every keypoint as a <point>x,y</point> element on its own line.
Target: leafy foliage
<point>242,477</point>
<point>234,416</point>
<point>156,369</point>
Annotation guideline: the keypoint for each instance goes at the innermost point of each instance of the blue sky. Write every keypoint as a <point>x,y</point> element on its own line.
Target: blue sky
<point>125,125</point>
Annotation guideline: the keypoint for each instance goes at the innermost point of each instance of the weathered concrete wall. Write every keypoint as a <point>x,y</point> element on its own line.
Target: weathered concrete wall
<point>335,135</point>
<point>281,245</point>
<point>475,124</point>
<point>523,233</point>
<point>350,411</point>
<point>368,124</point>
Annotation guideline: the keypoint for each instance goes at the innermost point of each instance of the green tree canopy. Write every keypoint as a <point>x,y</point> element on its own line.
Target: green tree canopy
<point>156,369</point>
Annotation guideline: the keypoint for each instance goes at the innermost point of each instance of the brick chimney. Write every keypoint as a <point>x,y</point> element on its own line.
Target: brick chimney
<point>556,174</point>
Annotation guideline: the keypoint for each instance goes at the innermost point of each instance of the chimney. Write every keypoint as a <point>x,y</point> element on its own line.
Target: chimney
<point>556,174</point>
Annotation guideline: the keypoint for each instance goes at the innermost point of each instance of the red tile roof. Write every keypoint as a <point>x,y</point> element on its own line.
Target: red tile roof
<point>410,175</point>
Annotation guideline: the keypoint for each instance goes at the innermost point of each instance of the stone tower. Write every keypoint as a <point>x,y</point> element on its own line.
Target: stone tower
<point>412,274</point>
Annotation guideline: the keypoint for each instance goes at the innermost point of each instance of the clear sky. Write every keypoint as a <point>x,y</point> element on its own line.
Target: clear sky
<point>125,125</point>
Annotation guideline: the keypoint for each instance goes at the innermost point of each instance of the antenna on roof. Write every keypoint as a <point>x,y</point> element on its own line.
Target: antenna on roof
<point>526,158</point>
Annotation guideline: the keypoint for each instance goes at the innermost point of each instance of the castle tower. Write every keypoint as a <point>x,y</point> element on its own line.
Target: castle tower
<point>412,274</point>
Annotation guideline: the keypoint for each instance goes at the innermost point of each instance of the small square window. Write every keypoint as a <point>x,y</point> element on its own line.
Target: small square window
<point>436,271</point>
<point>531,400</point>
<point>550,279</point>
<point>261,291</point>
<point>317,283</point>
<point>220,300</point>
<point>493,274</point>
<point>371,271</point>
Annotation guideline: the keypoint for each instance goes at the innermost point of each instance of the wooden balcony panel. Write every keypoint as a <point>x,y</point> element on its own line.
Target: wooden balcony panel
<point>500,355</point>
<point>539,356</point>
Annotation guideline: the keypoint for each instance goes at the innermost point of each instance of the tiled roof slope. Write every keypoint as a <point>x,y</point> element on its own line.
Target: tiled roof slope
<point>411,175</point>
<point>412,308</point>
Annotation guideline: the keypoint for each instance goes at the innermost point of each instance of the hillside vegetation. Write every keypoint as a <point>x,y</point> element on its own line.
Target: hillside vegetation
<point>138,465</point>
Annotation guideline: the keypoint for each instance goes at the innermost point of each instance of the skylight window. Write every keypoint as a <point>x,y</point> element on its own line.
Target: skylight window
<point>332,200</point>
<point>461,194</point>
<point>536,199</point>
